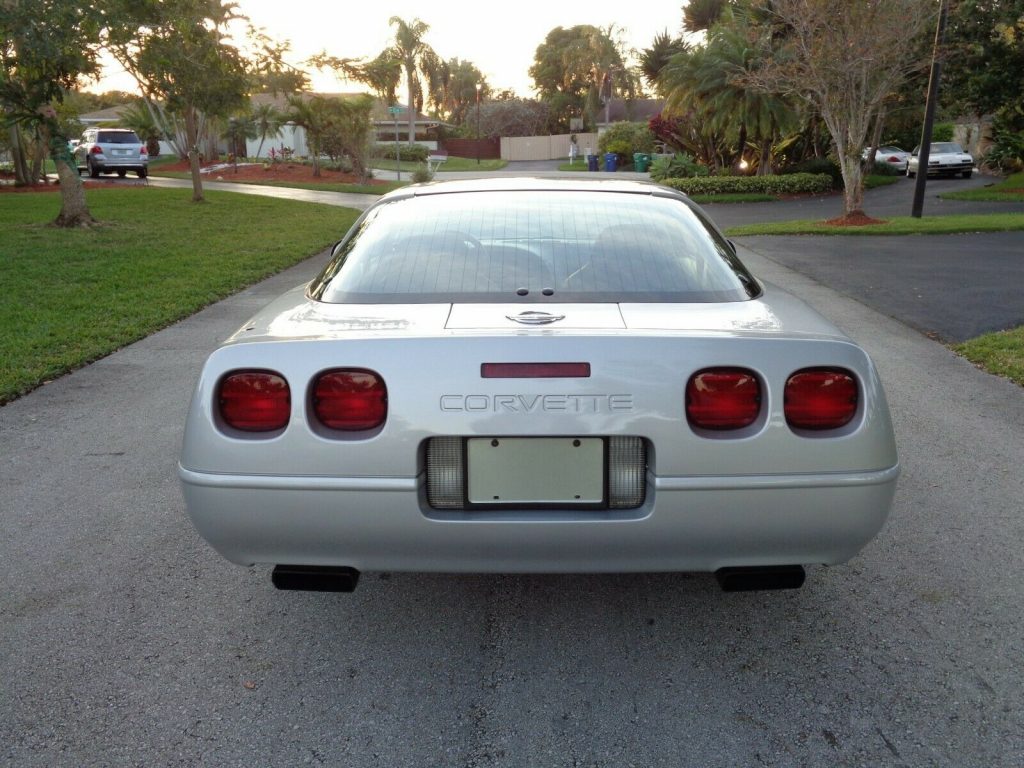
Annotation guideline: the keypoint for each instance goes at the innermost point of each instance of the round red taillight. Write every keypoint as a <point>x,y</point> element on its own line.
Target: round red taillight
<point>723,398</point>
<point>254,401</point>
<point>350,399</point>
<point>820,398</point>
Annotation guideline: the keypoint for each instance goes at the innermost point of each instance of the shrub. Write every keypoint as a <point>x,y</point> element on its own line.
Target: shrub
<point>679,166</point>
<point>942,132</point>
<point>1007,153</point>
<point>817,165</point>
<point>416,153</point>
<point>885,169</point>
<point>422,175</point>
<point>791,184</point>
<point>625,139</point>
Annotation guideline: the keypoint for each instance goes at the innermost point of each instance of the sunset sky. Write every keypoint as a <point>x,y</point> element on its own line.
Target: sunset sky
<point>499,38</point>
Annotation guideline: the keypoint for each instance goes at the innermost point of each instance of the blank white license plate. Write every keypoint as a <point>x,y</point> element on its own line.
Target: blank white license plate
<point>535,470</point>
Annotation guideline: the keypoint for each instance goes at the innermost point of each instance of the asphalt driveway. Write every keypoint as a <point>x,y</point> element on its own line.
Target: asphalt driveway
<point>951,287</point>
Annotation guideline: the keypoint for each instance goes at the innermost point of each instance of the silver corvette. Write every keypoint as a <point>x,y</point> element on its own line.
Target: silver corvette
<point>537,376</point>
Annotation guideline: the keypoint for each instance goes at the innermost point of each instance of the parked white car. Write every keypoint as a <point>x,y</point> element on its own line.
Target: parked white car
<point>111,150</point>
<point>891,155</point>
<point>945,158</point>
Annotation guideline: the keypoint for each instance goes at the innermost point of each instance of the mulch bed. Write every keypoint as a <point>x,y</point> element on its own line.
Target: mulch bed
<point>7,186</point>
<point>854,219</point>
<point>286,172</point>
<point>279,172</point>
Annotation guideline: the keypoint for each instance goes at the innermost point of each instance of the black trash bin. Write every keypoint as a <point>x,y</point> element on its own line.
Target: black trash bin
<point>592,163</point>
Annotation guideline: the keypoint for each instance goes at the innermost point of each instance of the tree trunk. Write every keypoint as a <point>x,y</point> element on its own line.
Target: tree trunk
<point>853,181</point>
<point>876,138</point>
<point>764,162</point>
<point>22,177</point>
<point>410,74</point>
<point>192,129</point>
<point>74,211</point>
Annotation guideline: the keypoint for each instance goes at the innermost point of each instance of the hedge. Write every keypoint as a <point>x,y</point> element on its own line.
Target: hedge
<point>793,184</point>
<point>417,153</point>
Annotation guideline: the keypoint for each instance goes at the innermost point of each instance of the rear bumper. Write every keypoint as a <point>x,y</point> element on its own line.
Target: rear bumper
<point>686,524</point>
<point>128,163</point>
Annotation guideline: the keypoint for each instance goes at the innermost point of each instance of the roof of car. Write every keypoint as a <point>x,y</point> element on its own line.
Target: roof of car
<point>531,184</point>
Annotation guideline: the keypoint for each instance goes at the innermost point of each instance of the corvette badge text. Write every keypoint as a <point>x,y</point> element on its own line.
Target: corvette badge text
<point>537,403</point>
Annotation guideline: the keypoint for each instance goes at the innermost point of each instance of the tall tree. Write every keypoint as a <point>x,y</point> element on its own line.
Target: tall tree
<point>714,78</point>
<point>457,89</point>
<point>382,73</point>
<point>654,59</point>
<point>844,65</point>
<point>575,70</point>
<point>39,63</point>
<point>984,68</point>
<point>416,58</point>
<point>179,55</point>
<point>701,15</point>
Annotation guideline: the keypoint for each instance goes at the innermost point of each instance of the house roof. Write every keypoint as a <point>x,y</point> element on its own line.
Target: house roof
<point>104,115</point>
<point>635,110</point>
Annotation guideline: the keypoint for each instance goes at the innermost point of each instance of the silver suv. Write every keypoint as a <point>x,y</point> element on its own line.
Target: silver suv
<point>110,150</point>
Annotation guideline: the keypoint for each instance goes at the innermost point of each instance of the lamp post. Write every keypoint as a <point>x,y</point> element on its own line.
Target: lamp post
<point>478,87</point>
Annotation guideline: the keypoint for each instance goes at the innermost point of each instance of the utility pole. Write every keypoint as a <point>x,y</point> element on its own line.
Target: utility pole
<point>929,114</point>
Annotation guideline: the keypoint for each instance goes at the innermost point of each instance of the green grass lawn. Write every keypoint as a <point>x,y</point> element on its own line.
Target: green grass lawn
<point>898,225</point>
<point>1001,353</point>
<point>1010,189</point>
<point>451,164</point>
<point>73,296</point>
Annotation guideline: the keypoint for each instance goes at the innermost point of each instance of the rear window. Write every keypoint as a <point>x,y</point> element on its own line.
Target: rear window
<point>118,137</point>
<point>506,246</point>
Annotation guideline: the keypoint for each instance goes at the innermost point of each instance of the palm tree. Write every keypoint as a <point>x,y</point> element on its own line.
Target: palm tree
<point>237,131</point>
<point>269,121</point>
<point>654,59</point>
<point>314,117</point>
<point>416,57</point>
<point>140,119</point>
<point>712,81</point>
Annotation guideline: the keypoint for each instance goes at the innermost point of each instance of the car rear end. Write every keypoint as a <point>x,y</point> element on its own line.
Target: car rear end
<point>533,429</point>
<point>672,452</point>
<point>119,150</point>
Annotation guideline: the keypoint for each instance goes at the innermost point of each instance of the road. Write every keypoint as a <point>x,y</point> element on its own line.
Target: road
<point>125,641</point>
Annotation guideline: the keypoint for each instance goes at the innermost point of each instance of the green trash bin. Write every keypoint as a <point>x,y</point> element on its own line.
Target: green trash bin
<point>641,162</point>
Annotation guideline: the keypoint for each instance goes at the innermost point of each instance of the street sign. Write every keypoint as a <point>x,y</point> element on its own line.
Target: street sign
<point>394,110</point>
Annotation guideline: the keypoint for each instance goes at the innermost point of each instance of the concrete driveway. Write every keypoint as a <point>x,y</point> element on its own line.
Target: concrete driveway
<point>125,640</point>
